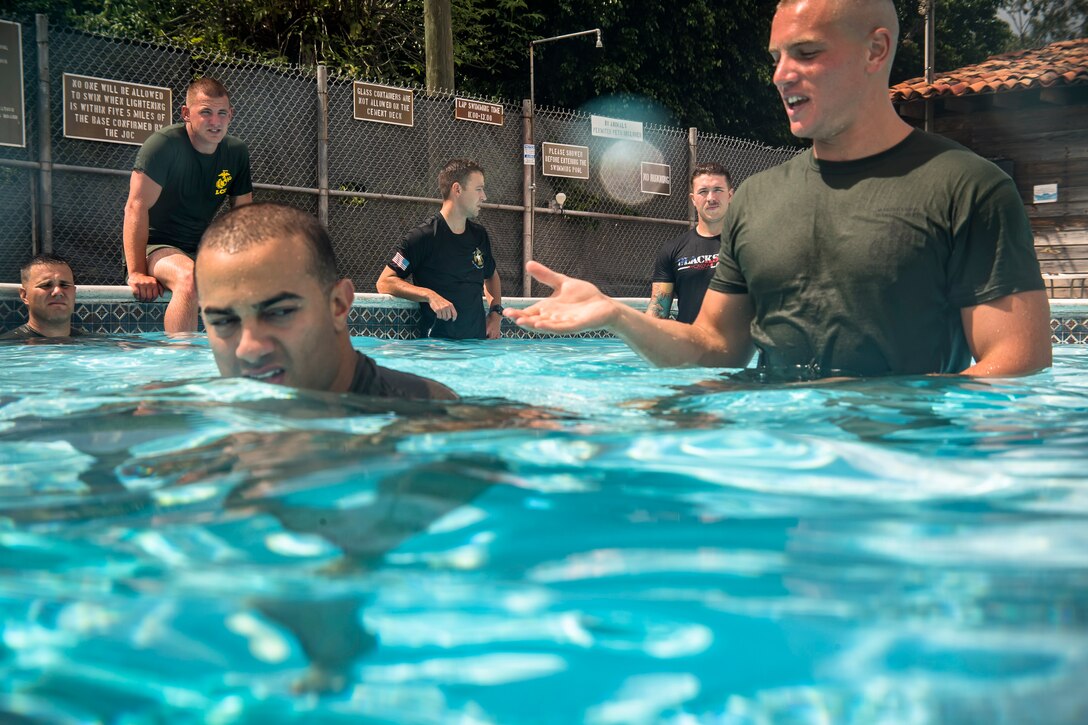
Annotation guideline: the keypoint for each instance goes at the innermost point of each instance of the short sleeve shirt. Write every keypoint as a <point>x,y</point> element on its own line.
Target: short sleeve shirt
<point>688,263</point>
<point>26,332</point>
<point>862,267</point>
<point>453,265</point>
<point>372,379</point>
<point>194,185</point>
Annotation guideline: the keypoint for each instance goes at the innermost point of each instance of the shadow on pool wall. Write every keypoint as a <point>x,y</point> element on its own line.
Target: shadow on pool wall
<point>111,309</point>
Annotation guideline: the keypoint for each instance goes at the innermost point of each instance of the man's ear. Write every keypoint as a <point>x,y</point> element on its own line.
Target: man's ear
<point>22,293</point>
<point>341,298</point>
<point>880,49</point>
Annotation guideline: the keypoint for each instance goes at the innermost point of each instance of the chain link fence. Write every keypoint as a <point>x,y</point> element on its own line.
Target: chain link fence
<point>381,178</point>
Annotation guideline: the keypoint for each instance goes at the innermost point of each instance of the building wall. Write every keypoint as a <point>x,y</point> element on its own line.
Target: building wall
<point>1047,143</point>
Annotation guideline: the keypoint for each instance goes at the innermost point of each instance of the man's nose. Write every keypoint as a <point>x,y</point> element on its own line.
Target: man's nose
<point>252,343</point>
<point>783,72</point>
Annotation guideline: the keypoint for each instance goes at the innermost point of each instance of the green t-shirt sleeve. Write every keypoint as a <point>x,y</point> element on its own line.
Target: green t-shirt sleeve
<point>155,158</point>
<point>993,252</point>
<point>243,182</point>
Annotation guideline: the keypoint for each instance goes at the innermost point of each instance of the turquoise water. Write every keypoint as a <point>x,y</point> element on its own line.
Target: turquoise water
<point>584,539</point>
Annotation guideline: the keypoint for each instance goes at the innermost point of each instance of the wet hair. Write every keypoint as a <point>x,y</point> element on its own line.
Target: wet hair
<point>209,87</point>
<point>253,224</point>
<point>456,171</point>
<point>711,168</point>
<point>43,258</point>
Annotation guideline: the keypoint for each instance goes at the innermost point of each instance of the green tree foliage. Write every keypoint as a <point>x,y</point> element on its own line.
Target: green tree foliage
<point>1036,23</point>
<point>375,38</point>
<point>490,46</point>
<point>699,63</point>
<point>967,32</point>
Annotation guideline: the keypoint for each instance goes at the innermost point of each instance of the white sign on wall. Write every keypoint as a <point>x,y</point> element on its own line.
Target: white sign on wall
<point>1045,193</point>
<point>606,127</point>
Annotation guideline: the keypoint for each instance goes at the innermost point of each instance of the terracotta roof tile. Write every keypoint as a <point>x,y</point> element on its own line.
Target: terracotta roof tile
<point>1059,64</point>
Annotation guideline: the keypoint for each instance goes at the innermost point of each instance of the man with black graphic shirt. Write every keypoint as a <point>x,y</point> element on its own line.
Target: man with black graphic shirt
<point>449,260</point>
<point>276,309</point>
<point>685,265</point>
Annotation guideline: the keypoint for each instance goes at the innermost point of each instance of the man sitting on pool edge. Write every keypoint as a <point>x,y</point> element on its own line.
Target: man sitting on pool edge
<point>276,308</point>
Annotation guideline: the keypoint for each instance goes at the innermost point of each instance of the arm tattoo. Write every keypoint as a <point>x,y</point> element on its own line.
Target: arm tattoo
<point>660,305</point>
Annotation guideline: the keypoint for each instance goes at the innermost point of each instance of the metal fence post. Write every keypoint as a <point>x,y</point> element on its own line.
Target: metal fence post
<point>323,145</point>
<point>45,136</point>
<point>693,160</point>
<point>528,174</point>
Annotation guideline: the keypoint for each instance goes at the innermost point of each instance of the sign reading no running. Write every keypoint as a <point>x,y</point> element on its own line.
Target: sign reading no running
<point>100,109</point>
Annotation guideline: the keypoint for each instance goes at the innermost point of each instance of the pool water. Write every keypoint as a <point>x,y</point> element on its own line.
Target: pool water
<point>584,538</point>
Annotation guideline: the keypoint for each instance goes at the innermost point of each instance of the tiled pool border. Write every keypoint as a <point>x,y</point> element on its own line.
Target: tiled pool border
<point>111,309</point>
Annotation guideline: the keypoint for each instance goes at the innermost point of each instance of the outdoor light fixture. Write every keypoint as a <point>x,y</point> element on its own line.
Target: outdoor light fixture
<point>560,197</point>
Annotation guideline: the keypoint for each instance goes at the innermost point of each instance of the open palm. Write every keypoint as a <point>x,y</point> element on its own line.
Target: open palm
<point>574,306</point>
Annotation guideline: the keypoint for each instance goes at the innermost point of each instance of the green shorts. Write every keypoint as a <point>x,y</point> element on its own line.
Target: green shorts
<point>152,248</point>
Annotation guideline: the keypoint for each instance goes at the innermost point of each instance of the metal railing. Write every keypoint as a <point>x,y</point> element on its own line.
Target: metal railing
<point>368,182</point>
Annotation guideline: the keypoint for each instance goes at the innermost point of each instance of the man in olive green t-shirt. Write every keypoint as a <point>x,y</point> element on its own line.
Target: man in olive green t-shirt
<point>881,250</point>
<point>181,176</point>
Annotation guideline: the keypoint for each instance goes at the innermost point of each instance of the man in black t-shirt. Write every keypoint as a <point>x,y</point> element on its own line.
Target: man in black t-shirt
<point>686,264</point>
<point>276,309</point>
<point>48,289</point>
<point>449,260</point>
<point>181,177</point>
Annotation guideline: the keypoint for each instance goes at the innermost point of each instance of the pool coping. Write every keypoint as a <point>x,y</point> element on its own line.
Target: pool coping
<point>112,309</point>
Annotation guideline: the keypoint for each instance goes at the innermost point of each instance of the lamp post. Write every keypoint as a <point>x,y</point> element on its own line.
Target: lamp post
<point>528,245</point>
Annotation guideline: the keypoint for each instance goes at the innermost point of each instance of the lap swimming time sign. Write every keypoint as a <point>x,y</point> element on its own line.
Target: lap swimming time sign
<point>12,105</point>
<point>101,109</point>
<point>465,109</point>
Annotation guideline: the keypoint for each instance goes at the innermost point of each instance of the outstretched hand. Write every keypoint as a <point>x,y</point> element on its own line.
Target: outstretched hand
<point>574,306</point>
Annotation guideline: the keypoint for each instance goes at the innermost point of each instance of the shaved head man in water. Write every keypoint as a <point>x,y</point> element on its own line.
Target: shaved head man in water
<point>882,250</point>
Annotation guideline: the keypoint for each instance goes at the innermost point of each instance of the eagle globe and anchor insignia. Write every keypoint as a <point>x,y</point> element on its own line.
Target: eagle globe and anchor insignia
<point>478,258</point>
<point>222,182</point>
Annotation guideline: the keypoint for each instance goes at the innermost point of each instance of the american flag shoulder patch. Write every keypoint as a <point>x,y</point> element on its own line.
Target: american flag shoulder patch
<point>400,261</point>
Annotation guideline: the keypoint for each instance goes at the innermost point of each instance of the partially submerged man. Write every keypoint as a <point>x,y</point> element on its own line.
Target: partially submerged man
<point>181,177</point>
<point>881,250</point>
<point>276,308</point>
<point>48,289</point>
<point>449,260</point>
<point>686,265</point>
